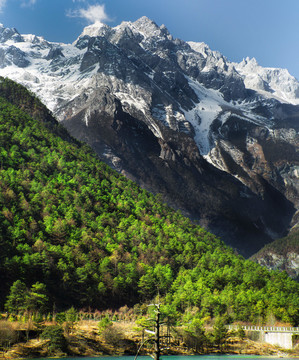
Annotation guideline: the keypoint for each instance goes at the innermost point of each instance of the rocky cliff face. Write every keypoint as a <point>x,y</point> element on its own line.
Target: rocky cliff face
<point>218,141</point>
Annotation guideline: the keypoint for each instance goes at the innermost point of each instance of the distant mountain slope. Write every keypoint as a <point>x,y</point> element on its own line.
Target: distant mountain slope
<point>96,239</point>
<point>218,140</point>
<point>21,97</point>
<point>281,254</point>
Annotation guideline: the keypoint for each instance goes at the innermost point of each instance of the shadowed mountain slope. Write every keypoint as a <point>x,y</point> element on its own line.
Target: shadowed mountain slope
<point>96,239</point>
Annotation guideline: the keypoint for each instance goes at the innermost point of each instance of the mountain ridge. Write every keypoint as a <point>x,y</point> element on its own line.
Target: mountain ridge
<point>203,126</point>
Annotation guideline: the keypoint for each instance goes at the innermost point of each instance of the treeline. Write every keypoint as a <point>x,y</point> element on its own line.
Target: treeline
<point>123,330</point>
<point>91,238</point>
<point>290,243</point>
<point>23,99</point>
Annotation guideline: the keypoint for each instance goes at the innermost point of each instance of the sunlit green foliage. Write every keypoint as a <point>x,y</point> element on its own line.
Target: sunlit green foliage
<point>21,299</point>
<point>95,239</point>
<point>56,336</point>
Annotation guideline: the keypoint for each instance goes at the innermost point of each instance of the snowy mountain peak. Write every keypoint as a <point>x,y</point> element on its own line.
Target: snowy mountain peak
<point>34,39</point>
<point>134,85</point>
<point>251,62</point>
<point>204,50</point>
<point>142,64</point>
<point>146,23</point>
<point>270,82</point>
<point>9,34</point>
<point>149,28</point>
<point>96,29</point>
<point>142,30</point>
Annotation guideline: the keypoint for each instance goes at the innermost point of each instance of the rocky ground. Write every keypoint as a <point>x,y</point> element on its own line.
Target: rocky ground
<point>124,339</point>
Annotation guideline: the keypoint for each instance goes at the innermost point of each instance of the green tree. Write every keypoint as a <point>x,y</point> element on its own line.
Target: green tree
<point>220,333</point>
<point>37,299</point>
<point>195,336</point>
<point>16,300</point>
<point>104,323</point>
<point>56,336</point>
<point>71,317</point>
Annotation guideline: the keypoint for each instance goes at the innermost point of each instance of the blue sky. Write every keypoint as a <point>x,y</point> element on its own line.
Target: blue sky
<point>265,29</point>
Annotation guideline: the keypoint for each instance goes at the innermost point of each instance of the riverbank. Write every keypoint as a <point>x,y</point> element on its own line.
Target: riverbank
<point>124,338</point>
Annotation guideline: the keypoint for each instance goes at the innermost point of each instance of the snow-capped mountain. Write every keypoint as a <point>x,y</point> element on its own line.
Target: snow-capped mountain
<point>218,139</point>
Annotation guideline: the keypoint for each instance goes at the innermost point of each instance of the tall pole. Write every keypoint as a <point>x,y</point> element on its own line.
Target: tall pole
<point>157,335</point>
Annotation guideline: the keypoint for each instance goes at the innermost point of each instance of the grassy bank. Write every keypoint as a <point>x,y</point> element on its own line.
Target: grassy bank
<point>85,338</point>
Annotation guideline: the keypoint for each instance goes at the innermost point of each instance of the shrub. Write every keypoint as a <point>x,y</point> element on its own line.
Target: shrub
<point>71,317</point>
<point>55,334</point>
<point>104,324</point>
<point>60,318</point>
<point>7,334</point>
<point>240,332</point>
<point>220,333</point>
<point>112,335</point>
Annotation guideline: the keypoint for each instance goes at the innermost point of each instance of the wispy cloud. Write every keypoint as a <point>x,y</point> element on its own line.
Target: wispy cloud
<point>2,4</point>
<point>93,13</point>
<point>26,3</point>
<point>23,3</point>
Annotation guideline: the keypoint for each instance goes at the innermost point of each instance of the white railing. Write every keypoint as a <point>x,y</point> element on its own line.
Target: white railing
<point>265,328</point>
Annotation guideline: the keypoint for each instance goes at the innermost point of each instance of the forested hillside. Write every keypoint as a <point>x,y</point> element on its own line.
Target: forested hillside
<point>95,239</point>
<point>281,254</point>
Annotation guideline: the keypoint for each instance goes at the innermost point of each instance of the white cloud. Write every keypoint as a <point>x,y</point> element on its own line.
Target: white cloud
<point>2,4</point>
<point>93,14</point>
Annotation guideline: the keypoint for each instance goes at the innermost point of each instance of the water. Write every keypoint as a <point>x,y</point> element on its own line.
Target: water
<point>176,357</point>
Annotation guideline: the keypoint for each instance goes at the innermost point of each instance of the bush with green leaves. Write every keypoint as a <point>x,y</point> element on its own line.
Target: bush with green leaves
<point>240,332</point>
<point>38,321</point>
<point>55,334</point>
<point>104,323</point>
<point>60,317</point>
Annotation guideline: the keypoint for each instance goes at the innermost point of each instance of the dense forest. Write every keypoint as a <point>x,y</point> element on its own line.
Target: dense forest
<point>73,232</point>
